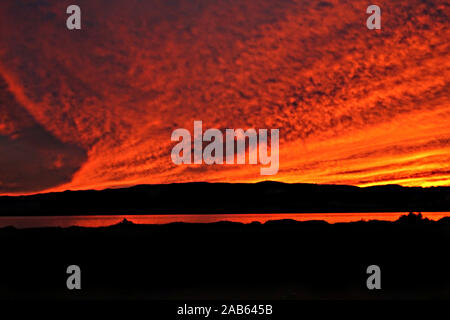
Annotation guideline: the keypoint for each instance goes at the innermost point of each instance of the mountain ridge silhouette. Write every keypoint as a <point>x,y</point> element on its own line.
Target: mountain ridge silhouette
<point>221,198</point>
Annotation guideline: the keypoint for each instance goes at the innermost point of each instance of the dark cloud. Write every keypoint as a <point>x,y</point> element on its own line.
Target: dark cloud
<point>32,159</point>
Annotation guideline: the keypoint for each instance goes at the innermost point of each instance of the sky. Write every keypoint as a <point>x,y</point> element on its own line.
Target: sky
<point>95,108</point>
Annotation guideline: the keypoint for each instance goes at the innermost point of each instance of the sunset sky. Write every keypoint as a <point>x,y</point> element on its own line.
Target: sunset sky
<point>95,108</point>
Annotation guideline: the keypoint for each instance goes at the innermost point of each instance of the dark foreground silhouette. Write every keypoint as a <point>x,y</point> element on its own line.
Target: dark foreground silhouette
<point>275,260</point>
<point>210,198</point>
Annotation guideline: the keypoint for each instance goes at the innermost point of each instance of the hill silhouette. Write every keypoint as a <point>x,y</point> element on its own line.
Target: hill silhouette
<point>282,259</point>
<point>210,198</point>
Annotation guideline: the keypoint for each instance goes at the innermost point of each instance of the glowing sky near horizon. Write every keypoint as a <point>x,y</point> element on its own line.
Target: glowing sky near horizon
<point>96,108</point>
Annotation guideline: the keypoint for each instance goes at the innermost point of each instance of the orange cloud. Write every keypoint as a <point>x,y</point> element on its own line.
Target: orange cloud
<point>95,108</point>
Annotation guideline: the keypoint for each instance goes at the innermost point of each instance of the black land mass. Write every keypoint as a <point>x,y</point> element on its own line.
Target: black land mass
<point>216,198</point>
<point>282,259</point>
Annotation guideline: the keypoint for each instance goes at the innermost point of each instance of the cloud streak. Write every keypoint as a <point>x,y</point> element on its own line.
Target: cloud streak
<point>353,106</point>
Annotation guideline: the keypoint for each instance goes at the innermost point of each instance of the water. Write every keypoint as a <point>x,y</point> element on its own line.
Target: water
<point>107,220</point>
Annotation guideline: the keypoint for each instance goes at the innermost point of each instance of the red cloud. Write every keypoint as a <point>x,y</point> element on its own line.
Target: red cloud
<point>353,105</point>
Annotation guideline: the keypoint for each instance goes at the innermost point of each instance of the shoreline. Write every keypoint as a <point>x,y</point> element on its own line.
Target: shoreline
<point>282,259</point>
<point>97,221</point>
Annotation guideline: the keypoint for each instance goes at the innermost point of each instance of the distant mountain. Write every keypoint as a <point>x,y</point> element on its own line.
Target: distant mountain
<point>200,197</point>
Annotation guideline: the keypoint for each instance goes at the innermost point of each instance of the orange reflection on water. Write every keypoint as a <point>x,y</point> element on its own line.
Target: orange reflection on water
<point>107,220</point>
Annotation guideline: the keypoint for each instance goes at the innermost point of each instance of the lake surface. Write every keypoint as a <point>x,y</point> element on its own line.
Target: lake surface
<point>107,220</point>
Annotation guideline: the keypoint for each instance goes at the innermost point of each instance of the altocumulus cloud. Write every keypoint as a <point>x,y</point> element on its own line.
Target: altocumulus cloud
<point>95,108</point>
